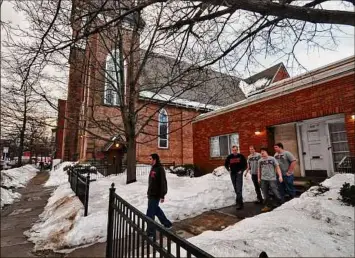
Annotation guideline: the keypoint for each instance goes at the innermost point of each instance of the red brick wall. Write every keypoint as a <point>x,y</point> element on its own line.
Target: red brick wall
<point>180,149</point>
<point>333,97</point>
<point>281,74</point>
<point>74,100</point>
<point>60,129</point>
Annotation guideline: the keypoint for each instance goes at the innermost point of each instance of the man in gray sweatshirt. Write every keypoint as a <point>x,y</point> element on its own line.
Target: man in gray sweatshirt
<point>268,167</point>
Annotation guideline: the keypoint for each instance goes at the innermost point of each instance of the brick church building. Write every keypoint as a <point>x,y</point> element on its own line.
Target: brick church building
<point>90,121</point>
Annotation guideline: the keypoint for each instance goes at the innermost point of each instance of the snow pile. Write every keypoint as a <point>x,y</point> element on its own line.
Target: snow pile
<point>176,100</point>
<point>220,171</point>
<point>17,177</point>
<point>8,196</point>
<point>58,176</point>
<point>187,197</point>
<point>56,162</point>
<point>253,87</point>
<point>12,179</point>
<point>316,224</point>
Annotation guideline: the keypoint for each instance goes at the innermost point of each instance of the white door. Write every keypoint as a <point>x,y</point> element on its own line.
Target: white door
<point>315,148</point>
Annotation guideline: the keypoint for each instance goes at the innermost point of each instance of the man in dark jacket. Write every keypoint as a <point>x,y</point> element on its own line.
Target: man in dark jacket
<point>157,190</point>
<point>236,163</point>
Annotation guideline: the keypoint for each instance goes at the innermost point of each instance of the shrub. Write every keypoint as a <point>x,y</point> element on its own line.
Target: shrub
<point>347,194</point>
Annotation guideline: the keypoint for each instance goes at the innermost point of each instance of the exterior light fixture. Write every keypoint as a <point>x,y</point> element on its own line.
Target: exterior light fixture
<point>353,117</point>
<point>257,132</point>
<point>117,145</point>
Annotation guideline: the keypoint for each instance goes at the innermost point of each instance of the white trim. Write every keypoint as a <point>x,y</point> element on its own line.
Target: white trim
<point>310,79</point>
<point>116,95</point>
<point>278,69</point>
<point>167,129</point>
<point>300,149</point>
<point>331,169</point>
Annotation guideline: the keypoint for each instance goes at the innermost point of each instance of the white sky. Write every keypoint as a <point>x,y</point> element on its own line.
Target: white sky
<point>309,59</point>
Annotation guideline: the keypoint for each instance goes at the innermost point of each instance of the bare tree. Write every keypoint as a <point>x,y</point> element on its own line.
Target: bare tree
<point>197,35</point>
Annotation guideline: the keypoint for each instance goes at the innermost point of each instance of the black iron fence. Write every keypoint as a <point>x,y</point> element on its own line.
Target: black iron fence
<point>79,179</point>
<point>347,165</point>
<point>126,234</point>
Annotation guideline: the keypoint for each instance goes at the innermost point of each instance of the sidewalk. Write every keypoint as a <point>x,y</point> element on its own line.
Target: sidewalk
<point>19,217</point>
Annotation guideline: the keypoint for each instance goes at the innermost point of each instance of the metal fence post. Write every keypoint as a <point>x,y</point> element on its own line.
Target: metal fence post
<point>76,173</point>
<point>87,187</point>
<point>110,222</point>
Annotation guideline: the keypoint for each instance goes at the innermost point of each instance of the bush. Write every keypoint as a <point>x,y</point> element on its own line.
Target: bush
<point>347,194</point>
<point>190,170</point>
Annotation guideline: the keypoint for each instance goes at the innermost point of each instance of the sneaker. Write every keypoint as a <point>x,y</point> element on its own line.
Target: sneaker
<point>266,209</point>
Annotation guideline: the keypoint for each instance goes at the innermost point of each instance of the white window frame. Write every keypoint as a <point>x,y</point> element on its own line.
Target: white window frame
<point>229,144</point>
<point>116,100</point>
<point>167,129</point>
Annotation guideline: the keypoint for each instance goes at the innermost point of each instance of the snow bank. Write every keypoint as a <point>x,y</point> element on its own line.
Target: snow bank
<point>18,177</point>
<point>220,171</point>
<point>8,196</point>
<point>12,179</point>
<point>187,197</point>
<point>59,176</point>
<point>313,225</point>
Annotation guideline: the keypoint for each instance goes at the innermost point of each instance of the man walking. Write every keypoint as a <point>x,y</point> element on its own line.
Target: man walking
<point>157,190</point>
<point>253,159</point>
<point>236,163</point>
<point>267,169</point>
<point>287,165</point>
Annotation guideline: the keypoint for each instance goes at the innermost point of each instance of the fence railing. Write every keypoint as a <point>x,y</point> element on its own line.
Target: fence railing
<point>79,179</point>
<point>126,234</point>
<point>347,165</point>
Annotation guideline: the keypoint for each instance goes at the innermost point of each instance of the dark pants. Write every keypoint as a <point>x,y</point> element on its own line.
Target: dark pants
<point>154,210</point>
<point>257,187</point>
<point>237,181</point>
<point>273,186</point>
<point>287,187</point>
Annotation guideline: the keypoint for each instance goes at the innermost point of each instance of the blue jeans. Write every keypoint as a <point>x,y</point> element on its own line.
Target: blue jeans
<point>287,187</point>
<point>237,181</point>
<point>154,210</point>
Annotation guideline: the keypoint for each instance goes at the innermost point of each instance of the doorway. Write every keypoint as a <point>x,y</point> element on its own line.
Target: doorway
<point>323,145</point>
<point>114,160</point>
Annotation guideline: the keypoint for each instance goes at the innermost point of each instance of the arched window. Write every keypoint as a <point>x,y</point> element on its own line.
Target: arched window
<point>163,141</point>
<point>113,79</point>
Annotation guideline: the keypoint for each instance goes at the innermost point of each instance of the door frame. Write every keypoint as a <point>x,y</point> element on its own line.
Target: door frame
<point>327,120</point>
<point>331,121</point>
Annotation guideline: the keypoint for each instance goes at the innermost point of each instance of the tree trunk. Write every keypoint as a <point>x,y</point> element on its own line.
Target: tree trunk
<point>20,148</point>
<point>131,160</point>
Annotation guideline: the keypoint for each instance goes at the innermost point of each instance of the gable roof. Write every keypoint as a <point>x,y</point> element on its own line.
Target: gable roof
<point>268,73</point>
<point>258,82</point>
<point>178,79</point>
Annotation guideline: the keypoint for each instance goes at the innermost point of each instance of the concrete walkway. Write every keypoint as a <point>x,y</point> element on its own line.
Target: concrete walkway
<point>19,217</point>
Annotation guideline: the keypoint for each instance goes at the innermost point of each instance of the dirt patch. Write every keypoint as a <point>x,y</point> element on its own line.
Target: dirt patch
<point>210,220</point>
<point>60,202</point>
